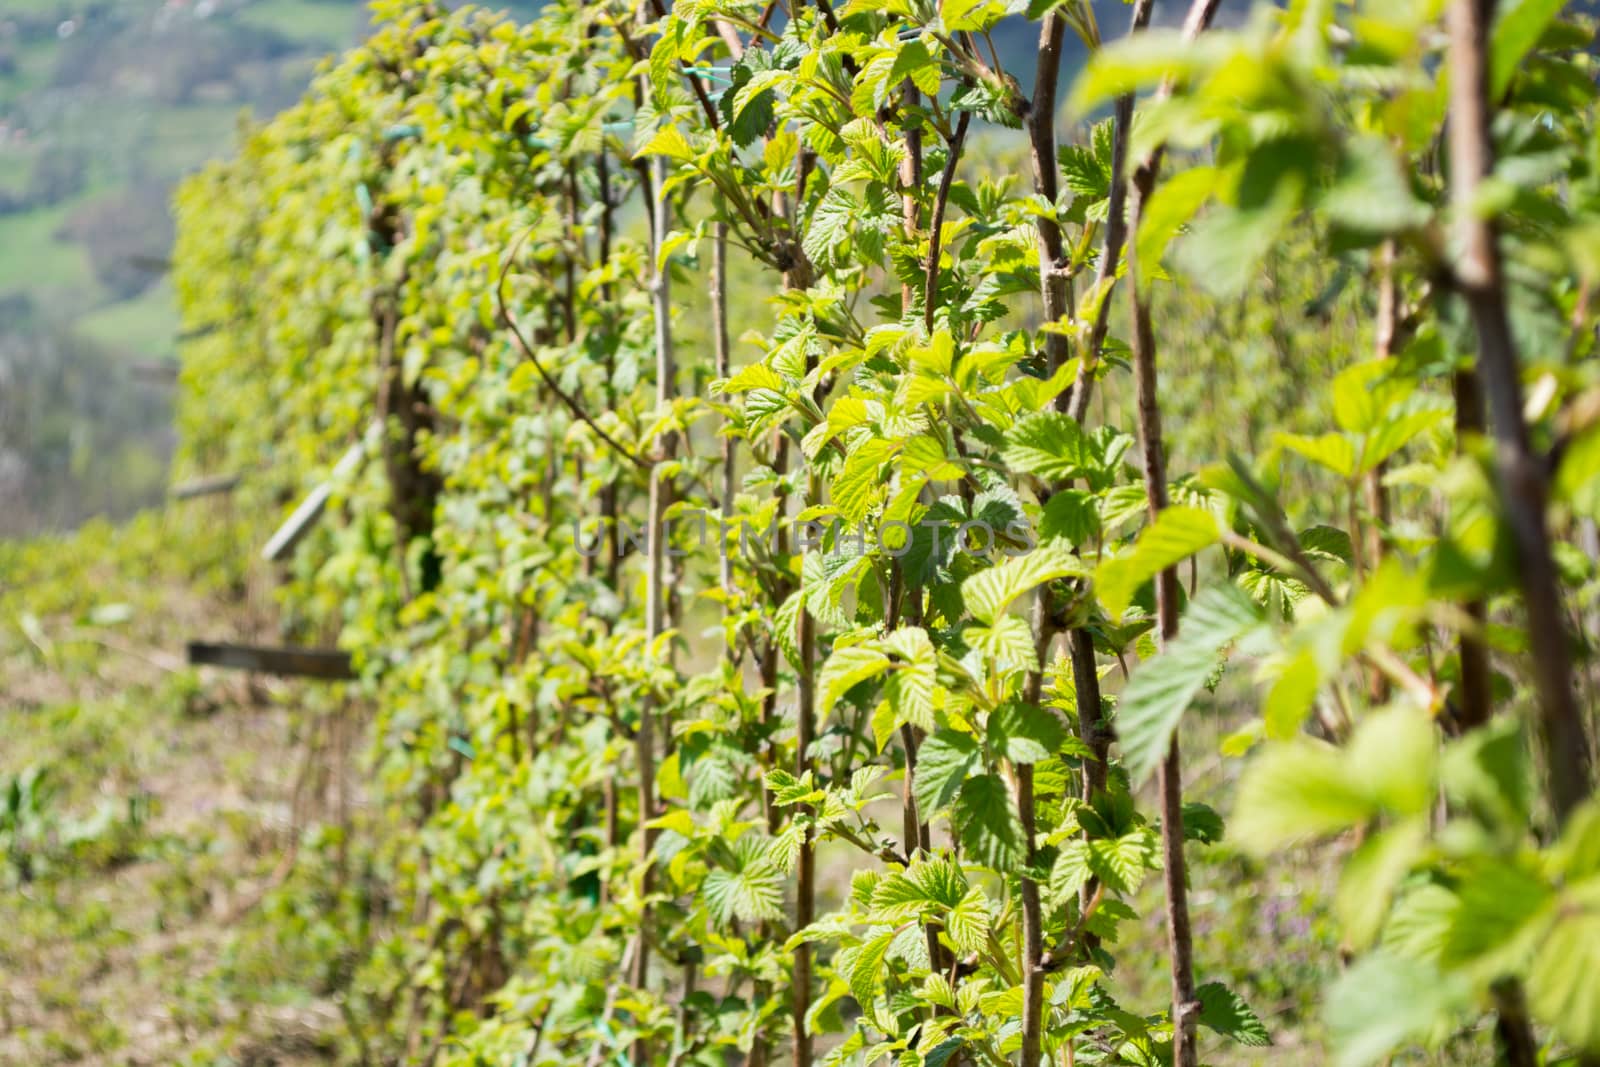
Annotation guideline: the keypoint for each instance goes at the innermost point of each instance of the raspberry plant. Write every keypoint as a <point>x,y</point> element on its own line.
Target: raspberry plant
<point>864,781</point>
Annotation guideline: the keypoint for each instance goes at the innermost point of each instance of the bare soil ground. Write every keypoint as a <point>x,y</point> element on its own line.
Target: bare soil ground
<point>146,811</point>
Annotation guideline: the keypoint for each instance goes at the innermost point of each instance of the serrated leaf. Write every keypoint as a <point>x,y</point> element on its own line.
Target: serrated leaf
<point>1518,26</point>
<point>1292,791</point>
<point>968,922</point>
<point>752,894</point>
<point>943,763</point>
<point>1070,515</point>
<point>667,141</point>
<point>1177,534</point>
<point>830,226</point>
<point>913,677</point>
<point>1131,63</point>
<point>1201,823</point>
<point>1173,204</point>
<point>866,964</point>
<point>1025,733</point>
<point>991,832</point>
<point>1384,1001</point>
<point>1051,445</point>
<point>1225,1011</point>
<point>1562,990</point>
<point>1334,451</point>
<point>1162,689</point>
<point>989,593</point>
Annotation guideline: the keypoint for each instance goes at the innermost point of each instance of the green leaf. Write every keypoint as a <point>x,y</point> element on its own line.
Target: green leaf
<point>1162,689</point>
<point>968,922</point>
<point>991,833</point>
<point>787,789</point>
<point>1177,533</point>
<point>1334,451</point>
<point>1500,905</point>
<point>667,141</point>
<point>856,488</point>
<point>1392,756</point>
<point>1052,445</point>
<point>912,677</point>
<point>942,1053</point>
<point>1293,692</point>
<point>1225,1011</point>
<point>1370,192</point>
<point>830,225</point>
<point>1220,252</point>
<point>1370,877</point>
<point>1384,1001</point>
<point>752,894</point>
<point>1293,791</point>
<point>866,965</point>
<point>1562,988</point>
<point>1396,431</point>
<point>943,763</point>
<point>914,61</point>
<point>970,15</point>
<point>1025,733</point>
<point>785,624</point>
<point>1071,516</point>
<point>1517,28</point>
<point>1170,208</point>
<point>1486,772</point>
<point>990,592</point>
<point>1578,851</point>
<point>1008,642</point>
<point>754,376</point>
<point>1084,172</point>
<point>1131,63</point>
<point>1201,823</point>
<point>1302,788</point>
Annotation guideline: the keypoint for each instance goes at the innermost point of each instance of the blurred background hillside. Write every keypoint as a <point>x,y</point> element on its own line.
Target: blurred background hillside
<point>104,104</point>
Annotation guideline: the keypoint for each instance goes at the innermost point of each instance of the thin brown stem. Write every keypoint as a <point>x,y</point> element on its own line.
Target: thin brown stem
<point>1185,1008</point>
<point>930,296</point>
<point>531,355</point>
<point>1479,277</point>
<point>656,593</point>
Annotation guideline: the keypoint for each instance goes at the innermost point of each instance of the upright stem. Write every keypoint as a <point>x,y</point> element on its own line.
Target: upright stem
<point>799,277</point>
<point>655,589</point>
<point>930,296</point>
<point>1479,276</point>
<point>914,831</point>
<point>910,187</point>
<point>1185,1008</point>
<point>805,891</point>
<point>1093,728</point>
<point>1377,495</point>
<point>720,355</point>
<point>1042,152</point>
<point>1053,292</point>
<point>1476,684</point>
<point>1076,403</point>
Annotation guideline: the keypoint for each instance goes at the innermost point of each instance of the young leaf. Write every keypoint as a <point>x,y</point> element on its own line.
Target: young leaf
<point>1024,733</point>
<point>991,833</point>
<point>1052,445</point>
<point>943,763</point>
<point>990,592</point>
<point>1178,533</point>
<point>845,669</point>
<point>1225,1011</point>
<point>1161,690</point>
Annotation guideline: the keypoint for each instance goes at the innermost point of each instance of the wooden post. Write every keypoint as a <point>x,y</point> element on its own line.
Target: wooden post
<point>283,540</point>
<point>325,663</point>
